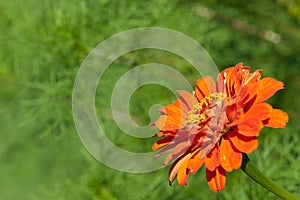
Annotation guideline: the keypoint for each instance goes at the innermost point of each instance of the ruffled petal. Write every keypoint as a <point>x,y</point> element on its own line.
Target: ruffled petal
<point>230,157</point>
<point>173,111</point>
<point>251,127</point>
<point>252,77</point>
<point>251,124</point>
<point>179,169</point>
<point>171,119</point>
<point>167,123</point>
<point>173,116</point>
<point>242,143</point>
<point>259,111</point>
<point>195,163</point>
<point>205,86</point>
<point>267,88</point>
<point>169,147</point>
<point>213,159</point>
<point>183,172</point>
<point>249,85</point>
<point>187,98</point>
<point>240,76</point>
<point>162,142</point>
<point>216,179</point>
<point>248,93</point>
<point>234,113</point>
<point>230,80</point>
<point>183,106</point>
<point>175,167</point>
<point>278,119</point>
<point>178,150</point>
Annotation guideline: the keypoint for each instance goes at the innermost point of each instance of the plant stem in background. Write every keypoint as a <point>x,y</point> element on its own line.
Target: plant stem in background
<point>257,176</point>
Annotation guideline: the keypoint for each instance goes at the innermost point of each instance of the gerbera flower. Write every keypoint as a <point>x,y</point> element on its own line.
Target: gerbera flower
<point>217,123</point>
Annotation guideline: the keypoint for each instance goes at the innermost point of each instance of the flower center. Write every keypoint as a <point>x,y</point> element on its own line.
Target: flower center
<point>203,110</point>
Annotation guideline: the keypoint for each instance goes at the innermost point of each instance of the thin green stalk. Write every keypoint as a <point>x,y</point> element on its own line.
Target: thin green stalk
<point>257,176</point>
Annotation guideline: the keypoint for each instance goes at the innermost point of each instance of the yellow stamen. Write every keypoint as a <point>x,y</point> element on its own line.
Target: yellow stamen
<point>194,115</point>
<point>217,96</point>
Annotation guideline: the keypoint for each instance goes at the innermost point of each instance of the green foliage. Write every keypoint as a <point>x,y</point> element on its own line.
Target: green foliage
<point>43,43</point>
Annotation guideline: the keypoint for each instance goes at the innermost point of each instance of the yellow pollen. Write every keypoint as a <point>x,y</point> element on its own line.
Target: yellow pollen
<point>217,96</point>
<point>194,115</point>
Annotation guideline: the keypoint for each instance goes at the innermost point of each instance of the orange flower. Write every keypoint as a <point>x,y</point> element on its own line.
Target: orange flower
<point>217,123</point>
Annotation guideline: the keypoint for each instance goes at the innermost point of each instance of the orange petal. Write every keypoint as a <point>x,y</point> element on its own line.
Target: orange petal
<point>248,92</point>
<point>167,123</point>
<point>252,77</point>
<point>205,86</point>
<point>259,111</point>
<point>181,105</point>
<point>239,77</point>
<point>172,110</point>
<point>187,98</point>
<point>169,158</point>
<point>251,124</point>
<point>230,157</point>
<point>267,88</point>
<point>160,122</point>
<point>213,158</point>
<point>278,119</point>
<point>177,151</point>
<point>243,143</point>
<point>166,133</point>
<point>251,127</point>
<point>249,85</point>
<point>167,148</point>
<point>234,113</point>
<point>183,171</point>
<point>195,163</point>
<point>180,147</point>
<point>220,87</point>
<point>162,142</point>
<point>179,169</point>
<point>176,165</point>
<point>216,179</point>
<point>229,78</point>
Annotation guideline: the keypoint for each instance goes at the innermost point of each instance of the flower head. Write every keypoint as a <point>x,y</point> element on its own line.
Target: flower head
<point>217,123</point>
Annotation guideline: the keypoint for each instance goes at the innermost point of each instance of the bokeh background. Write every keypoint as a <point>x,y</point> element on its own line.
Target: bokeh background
<point>43,43</point>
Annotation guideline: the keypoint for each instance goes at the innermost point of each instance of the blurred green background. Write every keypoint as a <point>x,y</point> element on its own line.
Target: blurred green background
<point>43,43</point>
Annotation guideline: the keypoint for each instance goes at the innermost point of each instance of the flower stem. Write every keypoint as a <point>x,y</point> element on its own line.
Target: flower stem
<point>257,176</point>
